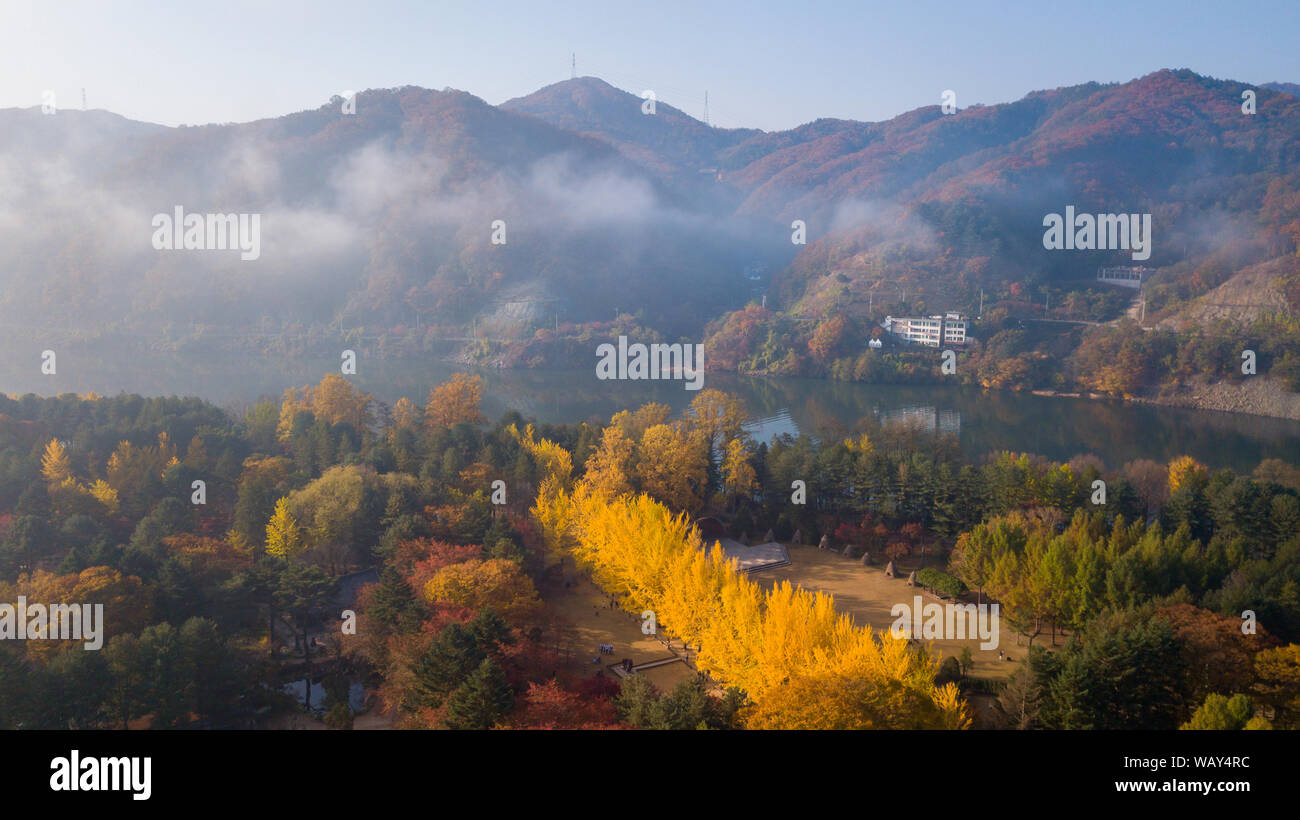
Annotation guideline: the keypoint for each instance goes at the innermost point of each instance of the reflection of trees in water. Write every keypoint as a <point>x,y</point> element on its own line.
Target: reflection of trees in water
<point>985,421</point>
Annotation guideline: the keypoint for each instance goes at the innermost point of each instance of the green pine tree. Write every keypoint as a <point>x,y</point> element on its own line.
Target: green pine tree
<point>482,700</point>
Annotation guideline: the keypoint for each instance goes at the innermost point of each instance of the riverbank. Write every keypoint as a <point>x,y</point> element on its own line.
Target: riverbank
<point>1256,396</point>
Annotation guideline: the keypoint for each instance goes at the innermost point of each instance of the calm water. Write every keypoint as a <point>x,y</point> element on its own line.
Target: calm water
<point>310,692</point>
<point>1054,427</point>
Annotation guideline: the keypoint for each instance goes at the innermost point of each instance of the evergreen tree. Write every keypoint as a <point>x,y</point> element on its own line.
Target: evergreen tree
<point>482,700</point>
<point>448,662</point>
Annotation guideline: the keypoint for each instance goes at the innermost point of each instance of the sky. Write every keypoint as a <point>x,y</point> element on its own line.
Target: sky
<point>764,65</point>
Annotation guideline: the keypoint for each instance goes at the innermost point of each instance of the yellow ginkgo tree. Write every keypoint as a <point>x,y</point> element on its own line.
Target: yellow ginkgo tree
<point>283,534</point>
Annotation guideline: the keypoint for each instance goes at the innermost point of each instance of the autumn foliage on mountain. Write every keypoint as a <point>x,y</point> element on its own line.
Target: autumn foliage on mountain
<point>382,222</point>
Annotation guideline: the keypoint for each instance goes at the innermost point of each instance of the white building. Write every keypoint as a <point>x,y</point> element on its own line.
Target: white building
<point>948,328</point>
<point>954,329</point>
<point>1124,277</point>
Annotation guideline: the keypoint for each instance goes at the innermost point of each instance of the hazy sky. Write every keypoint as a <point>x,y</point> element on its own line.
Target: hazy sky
<point>767,65</point>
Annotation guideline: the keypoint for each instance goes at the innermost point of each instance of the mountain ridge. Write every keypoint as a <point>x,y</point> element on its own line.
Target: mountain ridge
<point>385,216</point>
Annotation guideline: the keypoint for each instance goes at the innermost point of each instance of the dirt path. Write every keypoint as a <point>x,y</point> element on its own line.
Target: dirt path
<point>586,622</point>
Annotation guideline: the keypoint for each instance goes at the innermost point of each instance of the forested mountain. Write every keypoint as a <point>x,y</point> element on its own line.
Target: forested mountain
<point>384,218</point>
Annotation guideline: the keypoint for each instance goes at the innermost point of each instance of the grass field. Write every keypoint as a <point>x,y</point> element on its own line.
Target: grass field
<point>866,594</point>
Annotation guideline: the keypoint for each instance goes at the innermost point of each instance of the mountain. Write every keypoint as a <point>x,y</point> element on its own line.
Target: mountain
<point>383,217</point>
<point>961,199</point>
<point>386,218</point>
<point>667,143</point>
<point>1286,88</point>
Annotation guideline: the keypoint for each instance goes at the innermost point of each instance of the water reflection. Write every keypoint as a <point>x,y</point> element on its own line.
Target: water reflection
<point>310,692</point>
<point>984,421</point>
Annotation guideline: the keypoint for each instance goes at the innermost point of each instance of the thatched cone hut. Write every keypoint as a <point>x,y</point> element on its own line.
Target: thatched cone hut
<point>911,579</point>
<point>821,545</point>
<point>848,550</point>
<point>797,538</point>
<point>769,537</point>
<point>889,570</point>
<point>866,558</point>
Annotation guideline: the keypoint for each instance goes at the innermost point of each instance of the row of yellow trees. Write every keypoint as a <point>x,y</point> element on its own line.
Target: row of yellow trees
<point>804,665</point>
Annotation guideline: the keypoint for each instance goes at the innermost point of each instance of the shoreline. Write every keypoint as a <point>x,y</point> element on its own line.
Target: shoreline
<point>1256,396</point>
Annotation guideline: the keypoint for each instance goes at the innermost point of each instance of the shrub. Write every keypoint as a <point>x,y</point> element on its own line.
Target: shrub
<point>940,582</point>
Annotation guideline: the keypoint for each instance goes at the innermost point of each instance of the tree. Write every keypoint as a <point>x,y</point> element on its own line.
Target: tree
<point>304,592</point>
<point>719,416</point>
<point>136,474</point>
<point>482,700</point>
<point>259,425</point>
<point>444,666</point>
<point>476,583</point>
<point>1218,656</point>
<point>635,702</point>
<point>333,401</point>
<point>25,541</point>
<point>490,630</point>
<point>261,484</point>
<point>738,476</point>
<point>949,671</point>
<point>850,701</point>
<point>392,602</point>
<point>612,465</point>
<point>336,401</point>
<point>1125,671</point>
<point>550,706</point>
<point>1220,712</point>
<point>1278,685</point>
<point>128,684</point>
<point>635,424</point>
<point>1186,471</point>
<point>330,510</point>
<point>456,400</point>
<point>215,678</point>
<point>674,467</point>
<point>828,338</point>
<point>59,699</point>
<point>803,663</point>
<point>405,416</point>
<point>688,705</point>
<point>1018,702</point>
<point>168,670</point>
<point>105,495</point>
<point>17,693</point>
<point>283,535</point>
<point>55,464</point>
